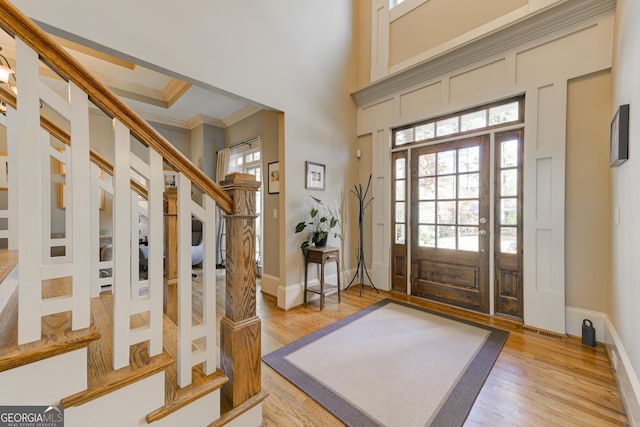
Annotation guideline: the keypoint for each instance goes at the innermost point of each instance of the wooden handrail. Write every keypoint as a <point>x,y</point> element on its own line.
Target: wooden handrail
<point>16,23</point>
<point>64,137</point>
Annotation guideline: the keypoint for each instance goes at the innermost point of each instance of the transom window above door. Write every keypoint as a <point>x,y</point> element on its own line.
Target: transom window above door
<point>490,116</point>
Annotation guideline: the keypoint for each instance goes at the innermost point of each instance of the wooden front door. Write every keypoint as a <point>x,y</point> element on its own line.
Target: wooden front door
<point>450,222</point>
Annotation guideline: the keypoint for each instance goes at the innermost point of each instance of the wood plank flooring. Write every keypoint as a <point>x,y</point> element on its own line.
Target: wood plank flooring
<point>536,381</point>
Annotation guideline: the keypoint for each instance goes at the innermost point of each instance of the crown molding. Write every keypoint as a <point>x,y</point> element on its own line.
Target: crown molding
<point>199,120</point>
<point>516,33</point>
<point>241,114</point>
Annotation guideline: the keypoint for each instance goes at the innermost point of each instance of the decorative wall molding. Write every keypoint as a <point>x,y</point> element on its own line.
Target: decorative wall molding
<point>516,33</point>
<point>241,114</point>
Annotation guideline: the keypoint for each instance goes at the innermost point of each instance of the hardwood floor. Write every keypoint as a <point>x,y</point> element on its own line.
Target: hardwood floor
<point>536,381</point>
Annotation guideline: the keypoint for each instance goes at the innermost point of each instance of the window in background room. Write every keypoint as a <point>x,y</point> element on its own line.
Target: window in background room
<point>246,157</point>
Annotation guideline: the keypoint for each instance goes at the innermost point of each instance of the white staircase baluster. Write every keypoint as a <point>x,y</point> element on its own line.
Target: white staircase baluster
<point>121,246</point>
<point>95,230</point>
<point>81,213</point>
<point>209,284</point>
<point>13,179</point>
<point>206,330</point>
<point>155,256</point>
<point>134,248</point>
<point>29,200</point>
<point>184,280</point>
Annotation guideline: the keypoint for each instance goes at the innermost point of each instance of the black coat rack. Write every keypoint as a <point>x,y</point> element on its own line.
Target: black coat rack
<point>361,269</point>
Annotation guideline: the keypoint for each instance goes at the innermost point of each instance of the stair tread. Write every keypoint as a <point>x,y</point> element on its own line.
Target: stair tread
<point>177,397</point>
<point>57,337</point>
<point>102,378</point>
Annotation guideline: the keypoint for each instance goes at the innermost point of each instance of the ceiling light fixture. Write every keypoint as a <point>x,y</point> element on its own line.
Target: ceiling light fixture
<point>8,78</point>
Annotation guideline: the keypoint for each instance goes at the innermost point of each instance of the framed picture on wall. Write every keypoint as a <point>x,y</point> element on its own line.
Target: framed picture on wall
<point>273,171</point>
<point>315,178</point>
<point>619,141</point>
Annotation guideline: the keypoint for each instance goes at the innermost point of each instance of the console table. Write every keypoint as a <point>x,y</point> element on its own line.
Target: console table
<point>322,256</point>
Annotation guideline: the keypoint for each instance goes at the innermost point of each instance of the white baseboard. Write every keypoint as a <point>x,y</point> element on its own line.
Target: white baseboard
<point>627,379</point>
<point>290,296</point>
<point>269,284</point>
<point>573,322</point>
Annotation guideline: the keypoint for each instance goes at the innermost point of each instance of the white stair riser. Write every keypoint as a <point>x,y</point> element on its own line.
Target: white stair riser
<point>45,382</point>
<point>127,406</point>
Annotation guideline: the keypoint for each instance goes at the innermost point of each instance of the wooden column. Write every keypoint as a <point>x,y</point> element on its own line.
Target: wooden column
<point>240,327</point>
<point>171,253</point>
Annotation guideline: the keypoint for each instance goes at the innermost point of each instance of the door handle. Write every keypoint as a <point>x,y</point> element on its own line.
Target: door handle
<point>483,232</point>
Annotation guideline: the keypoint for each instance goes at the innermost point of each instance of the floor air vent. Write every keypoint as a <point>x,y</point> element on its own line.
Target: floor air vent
<point>543,333</point>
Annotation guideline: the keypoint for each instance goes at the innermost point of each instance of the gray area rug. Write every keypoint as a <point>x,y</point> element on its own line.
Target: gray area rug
<point>393,364</point>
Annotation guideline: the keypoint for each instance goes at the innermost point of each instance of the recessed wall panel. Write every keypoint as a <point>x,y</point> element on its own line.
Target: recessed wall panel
<point>478,84</point>
<point>547,117</point>
<point>421,102</point>
<point>376,114</point>
<point>568,55</point>
<point>544,253</point>
<point>544,180</point>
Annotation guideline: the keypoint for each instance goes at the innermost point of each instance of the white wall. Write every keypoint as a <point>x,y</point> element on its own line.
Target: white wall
<point>297,57</point>
<point>624,294</point>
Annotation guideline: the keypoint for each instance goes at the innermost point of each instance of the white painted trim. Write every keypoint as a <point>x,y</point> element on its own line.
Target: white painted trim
<point>574,317</point>
<point>627,378</point>
<point>58,103</point>
<point>209,284</point>
<point>269,284</point>
<point>155,257</point>
<point>121,245</point>
<point>241,114</point>
<point>29,197</point>
<point>379,39</point>
<point>13,152</point>
<point>80,215</point>
<point>290,296</point>
<point>184,280</point>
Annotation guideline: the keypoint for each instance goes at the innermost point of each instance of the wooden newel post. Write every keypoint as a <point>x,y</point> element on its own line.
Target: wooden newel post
<point>171,253</point>
<point>240,344</point>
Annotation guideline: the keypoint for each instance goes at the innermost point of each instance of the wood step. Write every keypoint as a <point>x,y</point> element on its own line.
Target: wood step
<point>57,336</point>
<point>102,378</point>
<point>201,384</point>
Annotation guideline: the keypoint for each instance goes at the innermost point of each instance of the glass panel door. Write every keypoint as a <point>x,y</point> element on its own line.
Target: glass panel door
<point>450,207</point>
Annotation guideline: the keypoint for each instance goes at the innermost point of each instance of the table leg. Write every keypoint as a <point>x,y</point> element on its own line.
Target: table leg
<point>321,284</point>
<point>306,268</point>
<point>338,271</point>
